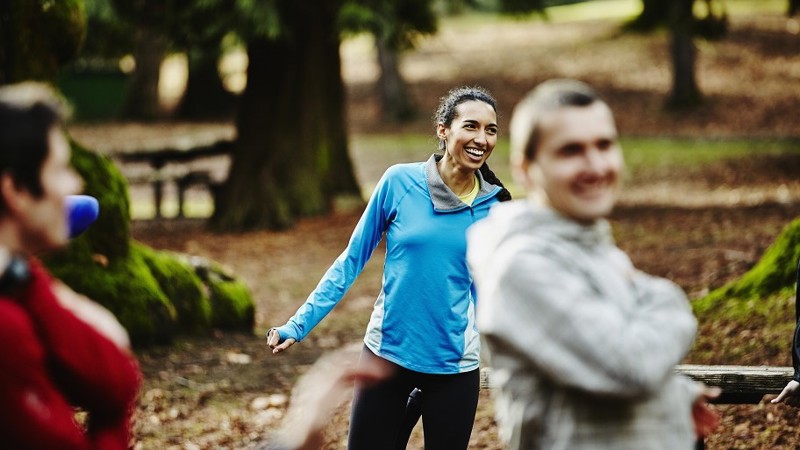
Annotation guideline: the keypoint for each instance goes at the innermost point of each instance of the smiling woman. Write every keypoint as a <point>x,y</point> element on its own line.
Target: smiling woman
<point>423,321</point>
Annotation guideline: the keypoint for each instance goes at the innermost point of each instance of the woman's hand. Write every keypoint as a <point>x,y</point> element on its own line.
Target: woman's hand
<point>274,341</point>
<point>789,395</point>
<point>706,419</point>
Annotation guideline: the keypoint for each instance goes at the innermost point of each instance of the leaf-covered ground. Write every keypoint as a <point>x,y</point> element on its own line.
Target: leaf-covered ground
<point>700,226</point>
<point>204,392</point>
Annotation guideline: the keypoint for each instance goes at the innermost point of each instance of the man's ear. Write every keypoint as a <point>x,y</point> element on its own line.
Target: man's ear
<point>521,172</point>
<point>14,198</point>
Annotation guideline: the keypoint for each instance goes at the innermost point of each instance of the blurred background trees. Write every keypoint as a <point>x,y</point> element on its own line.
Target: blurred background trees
<point>155,295</point>
<point>38,38</point>
<point>395,26</point>
<point>291,156</point>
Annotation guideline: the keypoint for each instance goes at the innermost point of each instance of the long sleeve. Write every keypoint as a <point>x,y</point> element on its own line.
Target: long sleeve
<point>92,371</point>
<point>53,361</point>
<point>544,311</point>
<point>346,268</point>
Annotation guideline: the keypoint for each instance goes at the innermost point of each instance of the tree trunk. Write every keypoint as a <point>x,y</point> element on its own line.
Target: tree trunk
<point>143,100</point>
<point>685,92</point>
<point>654,13</point>
<point>396,104</point>
<point>205,96</point>
<point>794,8</point>
<point>7,43</point>
<point>291,158</point>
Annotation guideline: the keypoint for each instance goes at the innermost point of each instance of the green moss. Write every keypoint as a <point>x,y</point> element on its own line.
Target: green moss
<point>775,272</point>
<point>102,265</point>
<point>231,302</point>
<point>123,285</point>
<point>110,234</point>
<point>182,286</point>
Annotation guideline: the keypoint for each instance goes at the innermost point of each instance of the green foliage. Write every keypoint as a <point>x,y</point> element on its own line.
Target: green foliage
<point>109,37</point>
<point>259,18</point>
<point>772,275</point>
<point>398,23</point>
<point>182,286</point>
<point>38,37</point>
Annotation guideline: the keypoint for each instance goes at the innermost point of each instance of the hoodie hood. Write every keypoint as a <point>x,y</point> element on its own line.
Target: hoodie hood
<point>519,219</point>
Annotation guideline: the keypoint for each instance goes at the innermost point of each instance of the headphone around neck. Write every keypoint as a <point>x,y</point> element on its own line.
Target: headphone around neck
<point>16,274</point>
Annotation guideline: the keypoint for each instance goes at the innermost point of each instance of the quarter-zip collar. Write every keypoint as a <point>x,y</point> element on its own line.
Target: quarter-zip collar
<point>444,199</point>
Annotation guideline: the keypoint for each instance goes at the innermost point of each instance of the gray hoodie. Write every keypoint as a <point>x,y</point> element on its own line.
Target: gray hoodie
<point>581,344</point>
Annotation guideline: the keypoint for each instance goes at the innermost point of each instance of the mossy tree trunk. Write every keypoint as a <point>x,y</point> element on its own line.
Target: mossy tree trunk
<point>291,155</point>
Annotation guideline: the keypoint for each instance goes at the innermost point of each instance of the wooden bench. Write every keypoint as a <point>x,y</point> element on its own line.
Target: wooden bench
<point>159,159</point>
<point>739,384</point>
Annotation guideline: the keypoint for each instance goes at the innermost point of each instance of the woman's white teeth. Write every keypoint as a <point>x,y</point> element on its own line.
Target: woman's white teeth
<point>475,152</point>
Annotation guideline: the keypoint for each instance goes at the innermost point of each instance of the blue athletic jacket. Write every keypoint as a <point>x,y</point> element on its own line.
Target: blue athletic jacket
<point>424,316</point>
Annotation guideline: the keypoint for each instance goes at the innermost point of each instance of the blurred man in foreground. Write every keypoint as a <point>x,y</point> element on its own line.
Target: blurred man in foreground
<point>58,350</point>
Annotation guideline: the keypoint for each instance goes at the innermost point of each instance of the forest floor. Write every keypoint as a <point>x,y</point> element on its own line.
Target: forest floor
<point>701,226</point>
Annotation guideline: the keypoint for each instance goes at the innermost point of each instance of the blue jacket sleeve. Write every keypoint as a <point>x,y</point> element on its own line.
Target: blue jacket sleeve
<point>346,268</point>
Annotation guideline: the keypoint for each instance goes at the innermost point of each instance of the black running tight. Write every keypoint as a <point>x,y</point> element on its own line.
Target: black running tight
<point>379,417</point>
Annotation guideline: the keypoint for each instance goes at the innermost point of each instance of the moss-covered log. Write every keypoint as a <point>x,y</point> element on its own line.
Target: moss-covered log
<point>231,303</point>
<point>761,302</point>
<point>774,274</point>
<point>155,295</point>
<point>181,284</point>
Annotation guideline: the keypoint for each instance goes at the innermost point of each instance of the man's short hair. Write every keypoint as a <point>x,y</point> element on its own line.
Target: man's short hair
<point>28,111</point>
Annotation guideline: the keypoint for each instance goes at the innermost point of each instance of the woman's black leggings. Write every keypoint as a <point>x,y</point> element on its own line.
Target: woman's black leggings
<point>379,417</point>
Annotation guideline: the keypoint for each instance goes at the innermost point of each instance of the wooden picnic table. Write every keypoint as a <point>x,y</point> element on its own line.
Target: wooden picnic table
<point>739,384</point>
<point>158,159</point>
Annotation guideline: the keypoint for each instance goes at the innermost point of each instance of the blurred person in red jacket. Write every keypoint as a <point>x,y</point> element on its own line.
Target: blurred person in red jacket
<point>58,350</point>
